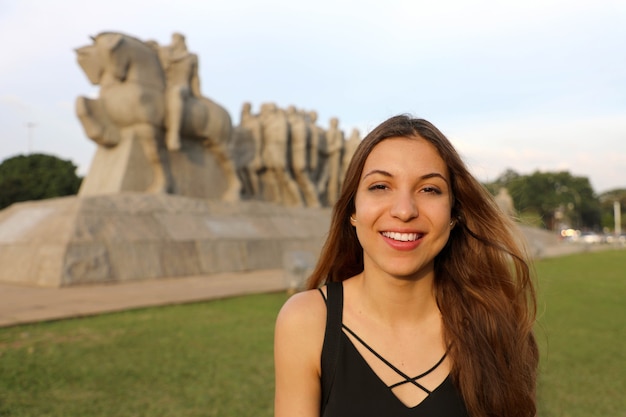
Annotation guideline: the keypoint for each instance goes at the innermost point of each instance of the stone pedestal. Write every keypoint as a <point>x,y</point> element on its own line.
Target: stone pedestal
<point>135,236</point>
<point>195,172</point>
<point>120,168</point>
<point>192,171</point>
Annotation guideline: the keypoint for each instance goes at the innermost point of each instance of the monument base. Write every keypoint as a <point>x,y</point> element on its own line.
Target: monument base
<point>192,171</point>
<point>134,236</point>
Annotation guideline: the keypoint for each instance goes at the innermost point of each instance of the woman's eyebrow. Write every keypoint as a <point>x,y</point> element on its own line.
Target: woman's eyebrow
<point>388,174</point>
<point>377,171</point>
<point>434,175</point>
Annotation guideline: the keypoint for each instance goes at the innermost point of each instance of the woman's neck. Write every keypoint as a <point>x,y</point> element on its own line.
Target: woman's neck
<point>397,301</point>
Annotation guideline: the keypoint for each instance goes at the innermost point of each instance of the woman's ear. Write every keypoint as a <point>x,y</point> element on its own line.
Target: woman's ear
<point>454,220</point>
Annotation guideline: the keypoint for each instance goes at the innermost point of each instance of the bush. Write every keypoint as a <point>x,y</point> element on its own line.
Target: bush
<point>36,177</point>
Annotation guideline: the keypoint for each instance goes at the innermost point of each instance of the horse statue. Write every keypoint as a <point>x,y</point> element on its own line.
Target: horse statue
<point>140,101</point>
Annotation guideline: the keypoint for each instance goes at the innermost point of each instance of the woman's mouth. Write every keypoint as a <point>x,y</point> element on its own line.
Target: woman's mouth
<point>402,237</point>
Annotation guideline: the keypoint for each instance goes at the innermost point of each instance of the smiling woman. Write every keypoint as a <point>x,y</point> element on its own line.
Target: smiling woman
<point>403,202</point>
<point>422,301</point>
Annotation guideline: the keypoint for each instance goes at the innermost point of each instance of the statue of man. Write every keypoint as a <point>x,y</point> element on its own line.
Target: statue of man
<point>278,186</point>
<point>183,82</point>
<point>317,141</point>
<point>299,136</point>
<point>251,124</point>
<point>329,177</point>
<point>349,148</point>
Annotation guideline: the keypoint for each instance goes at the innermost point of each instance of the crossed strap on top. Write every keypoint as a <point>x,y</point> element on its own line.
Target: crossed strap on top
<point>407,379</point>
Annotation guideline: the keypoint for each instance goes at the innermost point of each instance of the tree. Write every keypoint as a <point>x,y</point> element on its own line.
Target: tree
<point>558,199</point>
<point>36,177</point>
<point>503,180</point>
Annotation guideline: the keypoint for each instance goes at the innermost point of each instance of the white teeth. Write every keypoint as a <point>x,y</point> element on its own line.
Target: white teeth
<point>403,237</point>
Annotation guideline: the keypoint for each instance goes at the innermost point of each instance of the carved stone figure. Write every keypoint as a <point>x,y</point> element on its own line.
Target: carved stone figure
<point>278,186</point>
<point>131,103</point>
<point>505,202</point>
<point>348,150</point>
<point>183,83</point>
<point>331,170</point>
<point>190,115</point>
<point>317,140</point>
<point>246,151</point>
<point>299,136</point>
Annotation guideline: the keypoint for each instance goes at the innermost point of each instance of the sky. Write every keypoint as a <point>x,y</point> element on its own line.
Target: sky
<point>523,85</point>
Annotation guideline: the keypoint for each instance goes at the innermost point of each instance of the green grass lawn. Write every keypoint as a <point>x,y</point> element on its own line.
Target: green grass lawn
<point>205,359</point>
<point>582,334</point>
<point>215,358</point>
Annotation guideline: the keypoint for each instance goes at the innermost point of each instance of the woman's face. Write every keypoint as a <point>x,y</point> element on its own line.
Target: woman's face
<point>402,208</point>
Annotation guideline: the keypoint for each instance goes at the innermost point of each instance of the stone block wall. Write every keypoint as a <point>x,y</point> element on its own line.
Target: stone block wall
<point>134,236</point>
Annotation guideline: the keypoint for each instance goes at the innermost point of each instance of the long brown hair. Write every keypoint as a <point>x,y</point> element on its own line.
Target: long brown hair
<point>483,280</point>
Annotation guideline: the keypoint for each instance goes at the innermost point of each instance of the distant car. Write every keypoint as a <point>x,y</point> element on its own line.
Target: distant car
<point>590,237</point>
<point>620,239</point>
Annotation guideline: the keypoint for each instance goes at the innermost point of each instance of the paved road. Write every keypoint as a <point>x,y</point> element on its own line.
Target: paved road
<point>22,304</point>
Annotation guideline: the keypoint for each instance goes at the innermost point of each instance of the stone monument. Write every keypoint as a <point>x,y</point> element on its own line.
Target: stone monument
<point>163,196</point>
<point>154,130</point>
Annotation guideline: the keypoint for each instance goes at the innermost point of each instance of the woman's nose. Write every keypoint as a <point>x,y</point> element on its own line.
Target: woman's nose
<point>404,206</point>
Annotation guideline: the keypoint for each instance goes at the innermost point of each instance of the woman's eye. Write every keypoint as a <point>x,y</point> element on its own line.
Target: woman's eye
<point>377,187</point>
<point>431,190</point>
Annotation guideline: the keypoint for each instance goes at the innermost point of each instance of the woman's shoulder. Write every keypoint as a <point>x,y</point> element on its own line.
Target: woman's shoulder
<point>298,342</point>
<point>304,309</point>
<point>299,335</point>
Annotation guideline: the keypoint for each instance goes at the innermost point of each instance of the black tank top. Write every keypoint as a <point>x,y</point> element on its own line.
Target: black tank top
<point>350,388</point>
